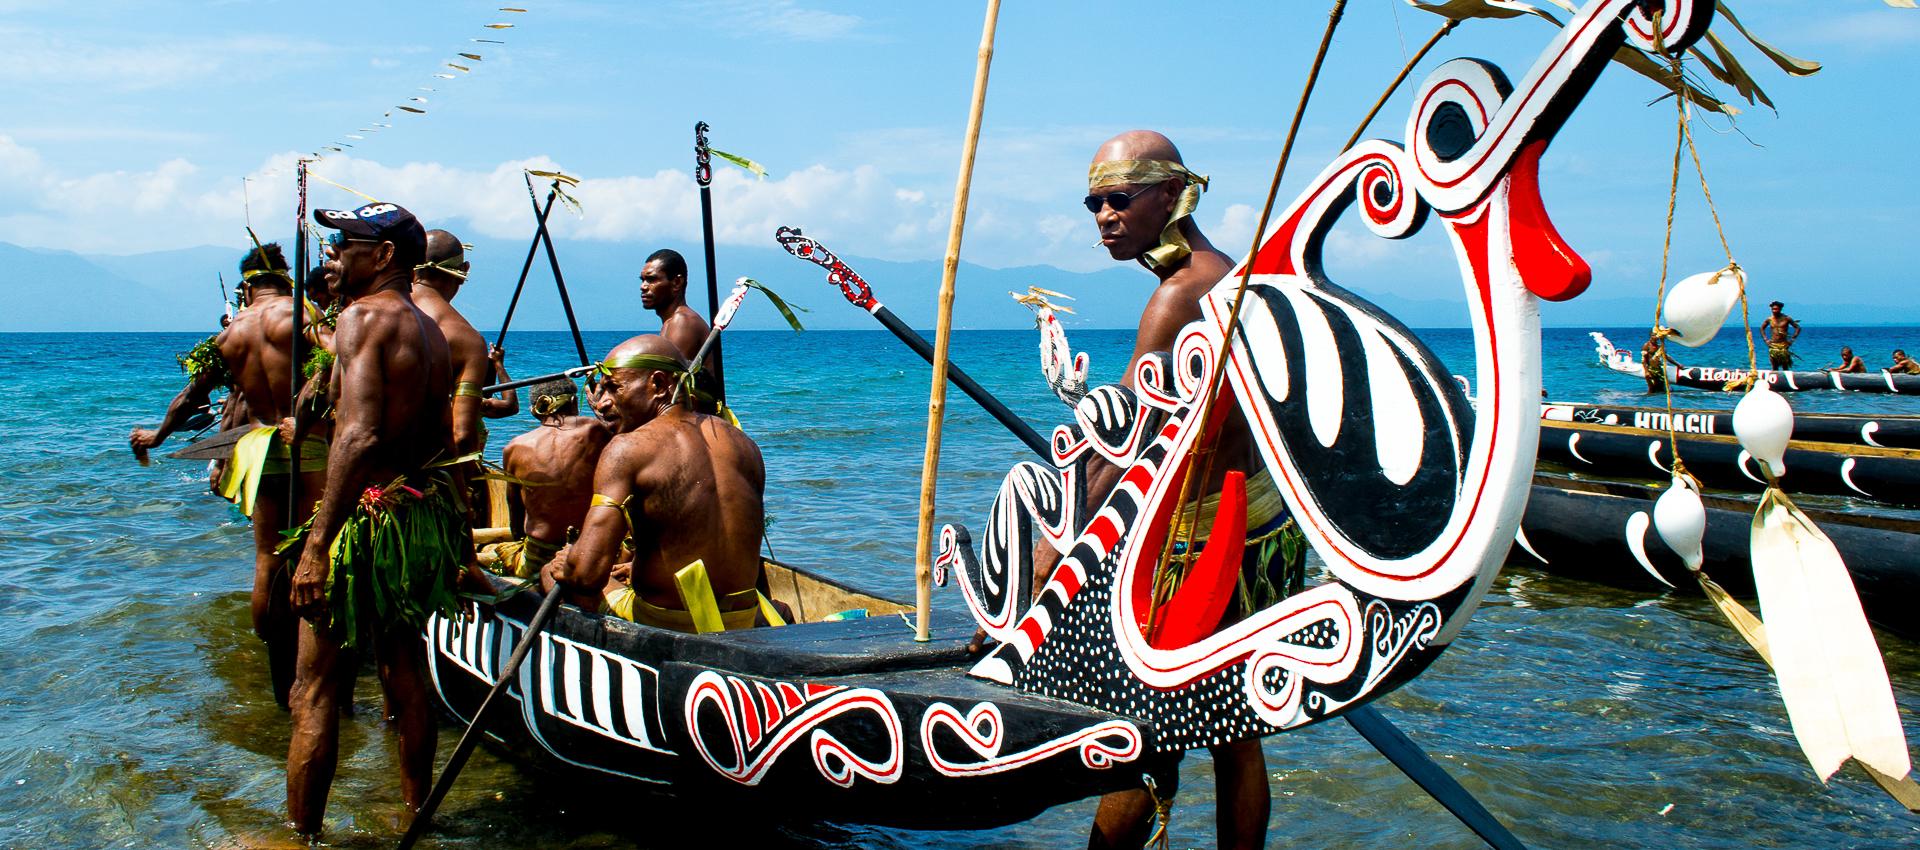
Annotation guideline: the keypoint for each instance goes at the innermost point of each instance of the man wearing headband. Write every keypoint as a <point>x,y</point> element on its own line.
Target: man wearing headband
<point>683,490</point>
<point>556,462</point>
<point>436,280</point>
<point>390,536</point>
<point>252,357</point>
<point>1142,198</point>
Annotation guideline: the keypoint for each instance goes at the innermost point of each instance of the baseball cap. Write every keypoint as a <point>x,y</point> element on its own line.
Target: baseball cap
<point>379,220</point>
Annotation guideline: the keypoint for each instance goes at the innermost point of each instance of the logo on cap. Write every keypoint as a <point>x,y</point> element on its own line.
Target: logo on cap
<point>337,214</point>
<point>371,210</point>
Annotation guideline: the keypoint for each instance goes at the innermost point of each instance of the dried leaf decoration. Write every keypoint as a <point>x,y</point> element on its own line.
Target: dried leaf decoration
<point>413,110</point>
<point>741,161</point>
<point>474,56</point>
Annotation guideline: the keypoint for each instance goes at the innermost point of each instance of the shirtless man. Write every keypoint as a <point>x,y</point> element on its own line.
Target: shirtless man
<point>1903,365</point>
<point>663,289</point>
<point>1779,344</point>
<point>1849,362</point>
<point>435,283</point>
<point>1141,197</point>
<point>253,356</point>
<point>692,486</point>
<point>1652,355</point>
<point>392,390</point>
<point>557,461</point>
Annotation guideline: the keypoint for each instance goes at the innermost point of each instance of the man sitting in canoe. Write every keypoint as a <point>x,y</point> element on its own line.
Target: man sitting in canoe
<point>1850,363</point>
<point>1142,197</point>
<point>683,490</point>
<point>387,542</point>
<point>1903,365</point>
<point>435,283</point>
<point>253,356</point>
<point>556,461</point>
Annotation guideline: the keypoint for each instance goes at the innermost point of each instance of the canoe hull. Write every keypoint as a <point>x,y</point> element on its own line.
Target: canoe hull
<point>848,721</point>
<point>1884,475</point>
<point>1589,531</point>
<point>1890,431</point>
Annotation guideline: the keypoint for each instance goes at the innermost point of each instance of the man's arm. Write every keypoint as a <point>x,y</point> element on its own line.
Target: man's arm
<point>516,505</point>
<point>191,398</point>
<point>584,569</point>
<point>360,385</point>
<point>508,404</point>
<point>1796,327</point>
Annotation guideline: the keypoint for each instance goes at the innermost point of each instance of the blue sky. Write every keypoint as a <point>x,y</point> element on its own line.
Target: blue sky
<point>129,127</point>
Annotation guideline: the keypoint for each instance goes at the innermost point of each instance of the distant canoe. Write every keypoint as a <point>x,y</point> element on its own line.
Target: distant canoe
<point>1891,431</point>
<point>1602,532</point>
<point>1715,379</point>
<point>1614,451</point>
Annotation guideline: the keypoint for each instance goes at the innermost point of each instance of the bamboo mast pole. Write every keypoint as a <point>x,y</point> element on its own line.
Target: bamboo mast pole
<point>937,396</point>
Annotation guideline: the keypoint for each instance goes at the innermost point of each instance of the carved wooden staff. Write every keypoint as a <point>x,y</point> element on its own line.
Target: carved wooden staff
<point>703,175</point>
<point>1368,721</point>
<point>943,329</point>
<point>299,314</point>
<point>859,294</point>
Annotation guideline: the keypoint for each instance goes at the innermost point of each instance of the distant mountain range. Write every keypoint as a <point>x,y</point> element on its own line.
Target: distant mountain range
<point>177,290</point>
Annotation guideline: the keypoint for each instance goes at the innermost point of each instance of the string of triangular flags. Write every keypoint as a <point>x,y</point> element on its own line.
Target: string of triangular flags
<point>454,67</point>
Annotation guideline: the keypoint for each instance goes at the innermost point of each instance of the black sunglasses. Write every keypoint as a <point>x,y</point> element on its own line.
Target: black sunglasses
<point>340,237</point>
<point>1119,201</point>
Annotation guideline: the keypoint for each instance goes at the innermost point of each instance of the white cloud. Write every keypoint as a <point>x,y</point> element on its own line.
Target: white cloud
<point>779,18</point>
<point>35,58</point>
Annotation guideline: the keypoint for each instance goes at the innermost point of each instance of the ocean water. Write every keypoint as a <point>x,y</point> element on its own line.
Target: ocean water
<point>134,710</point>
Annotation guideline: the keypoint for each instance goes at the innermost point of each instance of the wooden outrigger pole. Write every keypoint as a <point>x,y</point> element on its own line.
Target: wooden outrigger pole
<point>943,329</point>
<point>299,313</point>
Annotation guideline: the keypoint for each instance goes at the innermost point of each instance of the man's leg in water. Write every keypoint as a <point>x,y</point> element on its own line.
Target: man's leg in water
<point>402,659</point>
<point>1244,798</point>
<point>273,619</point>
<point>315,748</point>
<point>1126,818</point>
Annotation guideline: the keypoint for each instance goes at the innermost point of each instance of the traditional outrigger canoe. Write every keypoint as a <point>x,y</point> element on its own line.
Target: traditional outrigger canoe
<point>1410,495</point>
<point>1785,381</point>
<point>1717,460</point>
<point>1597,531</point>
<point>1893,431</point>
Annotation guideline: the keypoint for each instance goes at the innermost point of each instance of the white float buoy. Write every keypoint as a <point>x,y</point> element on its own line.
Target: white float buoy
<point>1682,521</point>
<point>1763,420</point>
<point>1697,306</point>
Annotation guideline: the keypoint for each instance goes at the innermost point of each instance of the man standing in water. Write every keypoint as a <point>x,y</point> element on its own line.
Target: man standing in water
<point>556,460</point>
<point>678,487</point>
<point>1141,197</point>
<point>435,283</point>
<point>1779,344</point>
<point>392,387</point>
<point>254,356</point>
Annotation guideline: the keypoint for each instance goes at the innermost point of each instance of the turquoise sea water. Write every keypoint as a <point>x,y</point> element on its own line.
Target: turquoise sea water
<point>134,712</point>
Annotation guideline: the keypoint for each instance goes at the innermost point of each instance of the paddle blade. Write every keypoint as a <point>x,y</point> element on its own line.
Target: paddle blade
<point>1829,666</point>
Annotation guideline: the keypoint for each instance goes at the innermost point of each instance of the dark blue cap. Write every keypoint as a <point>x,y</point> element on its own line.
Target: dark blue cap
<point>378,220</point>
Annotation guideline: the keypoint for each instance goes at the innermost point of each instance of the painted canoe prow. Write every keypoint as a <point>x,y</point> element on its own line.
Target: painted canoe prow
<point>1588,530</point>
<point>848,720</point>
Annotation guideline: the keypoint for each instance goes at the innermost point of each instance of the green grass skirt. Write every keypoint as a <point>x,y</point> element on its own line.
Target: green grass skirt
<point>400,553</point>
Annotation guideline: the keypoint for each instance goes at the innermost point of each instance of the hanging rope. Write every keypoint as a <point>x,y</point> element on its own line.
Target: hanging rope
<point>1204,445</point>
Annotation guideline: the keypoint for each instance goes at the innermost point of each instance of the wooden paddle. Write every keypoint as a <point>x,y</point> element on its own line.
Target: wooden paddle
<point>216,447</point>
<point>472,736</point>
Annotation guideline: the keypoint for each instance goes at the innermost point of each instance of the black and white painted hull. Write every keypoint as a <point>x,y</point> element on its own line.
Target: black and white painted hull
<point>848,721</point>
<point>1613,451</point>
<point>1890,431</point>
<point>1706,378</point>
<point>1602,532</point>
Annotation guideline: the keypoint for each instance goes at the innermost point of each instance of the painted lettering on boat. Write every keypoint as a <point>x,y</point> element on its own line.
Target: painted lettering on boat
<point>1689,423</point>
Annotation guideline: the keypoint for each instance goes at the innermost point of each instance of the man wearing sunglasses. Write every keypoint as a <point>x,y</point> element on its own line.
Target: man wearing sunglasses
<point>391,524</point>
<point>252,357</point>
<point>682,489</point>
<point>436,281</point>
<point>1142,198</point>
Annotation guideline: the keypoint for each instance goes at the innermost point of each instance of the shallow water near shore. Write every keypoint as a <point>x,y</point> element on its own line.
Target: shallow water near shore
<point>134,710</point>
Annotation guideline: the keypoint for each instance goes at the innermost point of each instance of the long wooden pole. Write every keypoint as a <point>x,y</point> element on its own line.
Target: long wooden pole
<point>943,329</point>
<point>703,177</point>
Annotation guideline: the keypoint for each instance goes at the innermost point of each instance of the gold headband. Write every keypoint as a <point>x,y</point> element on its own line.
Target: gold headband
<point>656,362</point>
<point>546,405</point>
<point>443,266</point>
<point>279,273</point>
<point>1141,172</point>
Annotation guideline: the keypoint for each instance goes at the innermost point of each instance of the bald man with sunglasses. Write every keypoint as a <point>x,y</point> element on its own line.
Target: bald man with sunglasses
<point>1142,198</point>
